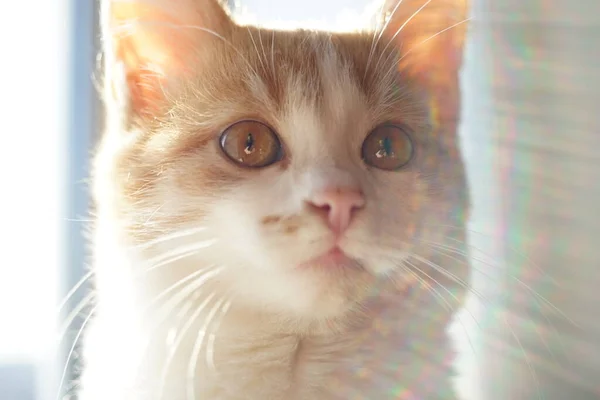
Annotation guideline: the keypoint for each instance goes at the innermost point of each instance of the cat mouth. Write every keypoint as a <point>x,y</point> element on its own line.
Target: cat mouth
<point>334,259</point>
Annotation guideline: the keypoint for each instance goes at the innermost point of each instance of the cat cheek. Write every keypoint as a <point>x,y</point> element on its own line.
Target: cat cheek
<point>278,224</point>
<point>383,266</point>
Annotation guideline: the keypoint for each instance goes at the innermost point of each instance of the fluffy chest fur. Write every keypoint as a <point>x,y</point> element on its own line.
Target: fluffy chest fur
<point>396,347</point>
<point>201,346</point>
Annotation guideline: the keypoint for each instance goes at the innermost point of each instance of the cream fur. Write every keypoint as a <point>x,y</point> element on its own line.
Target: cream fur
<point>199,294</point>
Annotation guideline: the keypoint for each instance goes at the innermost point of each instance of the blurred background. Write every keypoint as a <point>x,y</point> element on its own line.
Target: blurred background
<point>530,134</point>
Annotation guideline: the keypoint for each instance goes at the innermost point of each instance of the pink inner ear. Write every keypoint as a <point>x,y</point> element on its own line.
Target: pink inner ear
<point>150,48</point>
<point>155,42</point>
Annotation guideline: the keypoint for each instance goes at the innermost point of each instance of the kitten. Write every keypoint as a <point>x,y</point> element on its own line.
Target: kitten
<point>275,208</point>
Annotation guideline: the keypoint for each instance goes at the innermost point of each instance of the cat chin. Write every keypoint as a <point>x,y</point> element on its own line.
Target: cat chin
<point>307,293</point>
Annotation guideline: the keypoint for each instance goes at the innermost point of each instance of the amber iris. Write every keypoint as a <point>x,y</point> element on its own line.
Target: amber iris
<point>251,144</point>
<point>387,147</point>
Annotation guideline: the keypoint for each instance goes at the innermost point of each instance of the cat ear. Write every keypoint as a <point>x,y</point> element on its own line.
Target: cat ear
<point>429,35</point>
<point>149,42</point>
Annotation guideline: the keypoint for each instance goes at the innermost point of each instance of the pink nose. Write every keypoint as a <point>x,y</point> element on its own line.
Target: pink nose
<point>339,205</point>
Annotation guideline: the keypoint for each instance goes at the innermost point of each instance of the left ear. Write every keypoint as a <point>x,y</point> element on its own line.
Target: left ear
<point>430,35</point>
<point>151,42</point>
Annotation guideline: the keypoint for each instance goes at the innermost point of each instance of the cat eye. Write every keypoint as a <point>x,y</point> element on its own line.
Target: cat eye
<point>387,147</point>
<point>251,144</point>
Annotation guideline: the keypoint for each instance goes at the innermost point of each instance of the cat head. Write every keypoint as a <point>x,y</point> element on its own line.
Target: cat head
<point>304,165</point>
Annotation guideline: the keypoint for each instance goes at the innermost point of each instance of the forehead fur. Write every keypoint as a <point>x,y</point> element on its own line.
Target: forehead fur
<point>265,74</point>
<point>194,50</point>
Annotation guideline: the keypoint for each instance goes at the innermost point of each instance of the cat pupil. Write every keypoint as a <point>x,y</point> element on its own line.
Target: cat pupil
<point>385,148</point>
<point>249,144</point>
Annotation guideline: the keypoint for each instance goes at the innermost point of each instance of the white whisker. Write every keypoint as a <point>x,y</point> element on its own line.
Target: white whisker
<point>537,267</point>
<point>204,275</point>
<point>449,306</point>
<point>175,235</point>
<point>391,40</point>
<point>153,214</point>
<point>177,343</point>
<point>510,276</point>
<point>433,36</point>
<point>505,319</point>
<point>178,253</point>
<point>74,313</point>
<point>191,371</point>
<point>74,289</point>
<point>447,273</point>
<point>526,357</point>
<point>210,352</point>
<point>273,52</point>
<point>262,46</point>
<point>395,65</point>
<point>170,306</point>
<point>71,351</point>
<point>519,281</point>
<point>255,48</point>
<point>374,42</point>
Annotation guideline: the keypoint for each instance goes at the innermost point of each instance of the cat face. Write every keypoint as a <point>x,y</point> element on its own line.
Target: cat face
<point>311,162</point>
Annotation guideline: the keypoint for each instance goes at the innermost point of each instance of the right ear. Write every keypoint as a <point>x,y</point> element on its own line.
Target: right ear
<point>146,43</point>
